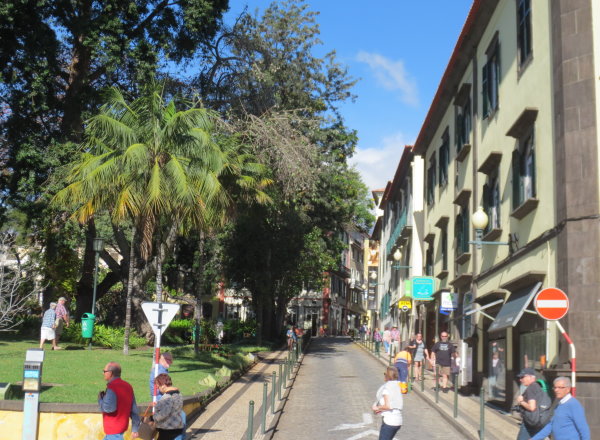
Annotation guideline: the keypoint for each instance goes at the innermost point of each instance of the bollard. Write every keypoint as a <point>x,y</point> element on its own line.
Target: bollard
<point>481,414</point>
<point>437,384</point>
<point>300,342</point>
<point>455,396</point>
<point>264,408</point>
<point>290,370</point>
<point>249,436</point>
<point>377,347</point>
<point>280,380</point>
<point>390,360</point>
<point>273,382</point>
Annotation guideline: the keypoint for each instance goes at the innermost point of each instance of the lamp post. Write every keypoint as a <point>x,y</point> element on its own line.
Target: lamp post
<point>98,247</point>
<point>480,222</point>
<point>397,256</point>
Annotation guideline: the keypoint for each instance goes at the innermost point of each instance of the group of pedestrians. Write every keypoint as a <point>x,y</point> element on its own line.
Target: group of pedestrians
<point>564,418</point>
<point>53,321</point>
<point>118,405</point>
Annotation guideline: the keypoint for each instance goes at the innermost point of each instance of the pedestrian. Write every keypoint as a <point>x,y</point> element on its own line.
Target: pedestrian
<point>167,411</point>
<point>402,361</point>
<point>531,403</point>
<point>395,335</point>
<point>117,404</point>
<point>441,353</point>
<point>377,338</point>
<point>419,353</point>
<point>389,405</point>
<point>164,362</point>
<point>48,326</point>
<point>291,334</point>
<point>568,421</point>
<point>387,339</point>
<point>62,318</point>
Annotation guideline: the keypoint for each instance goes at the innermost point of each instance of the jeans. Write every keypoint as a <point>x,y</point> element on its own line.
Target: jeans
<point>387,432</point>
<point>526,433</point>
<point>402,368</point>
<point>113,437</point>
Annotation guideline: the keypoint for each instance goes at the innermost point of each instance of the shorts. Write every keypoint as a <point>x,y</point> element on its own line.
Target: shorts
<point>445,370</point>
<point>59,326</point>
<point>48,333</point>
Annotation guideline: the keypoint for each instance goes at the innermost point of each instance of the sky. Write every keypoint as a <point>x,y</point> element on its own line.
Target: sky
<point>398,50</point>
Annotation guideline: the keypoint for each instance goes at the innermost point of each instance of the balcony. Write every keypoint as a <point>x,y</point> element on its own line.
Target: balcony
<point>401,229</point>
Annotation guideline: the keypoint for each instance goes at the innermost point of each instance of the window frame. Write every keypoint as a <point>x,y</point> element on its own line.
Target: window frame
<point>524,35</point>
<point>431,181</point>
<point>490,79</point>
<point>523,165</point>
<point>444,154</point>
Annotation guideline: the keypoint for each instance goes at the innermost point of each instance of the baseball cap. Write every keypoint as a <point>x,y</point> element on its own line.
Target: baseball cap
<point>526,372</point>
<point>62,298</point>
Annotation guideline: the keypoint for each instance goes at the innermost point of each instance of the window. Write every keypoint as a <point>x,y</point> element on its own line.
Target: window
<point>444,248</point>
<point>523,165</point>
<point>431,182</point>
<point>462,129</point>
<point>490,79</point>
<point>497,370</point>
<point>462,231</point>
<point>444,158</point>
<point>429,261</point>
<point>524,30</point>
<point>491,200</point>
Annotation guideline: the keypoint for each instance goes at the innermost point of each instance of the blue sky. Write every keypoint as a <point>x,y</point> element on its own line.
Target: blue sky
<point>398,50</point>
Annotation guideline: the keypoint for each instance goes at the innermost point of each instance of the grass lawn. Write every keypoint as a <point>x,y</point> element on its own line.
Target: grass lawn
<point>76,375</point>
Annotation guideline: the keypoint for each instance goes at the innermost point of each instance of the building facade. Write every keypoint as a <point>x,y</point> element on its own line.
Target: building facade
<point>512,131</point>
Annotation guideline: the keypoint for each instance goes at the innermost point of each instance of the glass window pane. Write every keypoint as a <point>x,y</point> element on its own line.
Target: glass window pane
<point>497,370</point>
<point>532,350</point>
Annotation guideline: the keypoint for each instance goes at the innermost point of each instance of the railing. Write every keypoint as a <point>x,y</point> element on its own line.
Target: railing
<point>403,221</point>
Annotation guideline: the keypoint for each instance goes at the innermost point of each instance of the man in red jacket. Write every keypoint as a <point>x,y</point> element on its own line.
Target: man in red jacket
<point>117,404</point>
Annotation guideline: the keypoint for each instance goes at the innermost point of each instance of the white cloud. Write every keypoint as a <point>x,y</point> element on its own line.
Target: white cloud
<point>392,75</point>
<point>378,165</point>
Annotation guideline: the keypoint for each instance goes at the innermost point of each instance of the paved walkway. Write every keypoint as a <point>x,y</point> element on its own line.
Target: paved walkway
<point>332,397</point>
<point>226,417</point>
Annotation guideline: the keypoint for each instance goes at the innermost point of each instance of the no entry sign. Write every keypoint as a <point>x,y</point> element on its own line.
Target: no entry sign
<point>552,303</point>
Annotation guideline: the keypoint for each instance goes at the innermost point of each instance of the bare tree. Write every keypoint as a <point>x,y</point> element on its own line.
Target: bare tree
<point>16,285</point>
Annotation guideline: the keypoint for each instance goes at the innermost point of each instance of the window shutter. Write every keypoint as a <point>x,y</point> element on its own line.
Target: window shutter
<point>484,89</point>
<point>516,176</point>
<point>533,186</point>
<point>465,229</point>
<point>487,204</point>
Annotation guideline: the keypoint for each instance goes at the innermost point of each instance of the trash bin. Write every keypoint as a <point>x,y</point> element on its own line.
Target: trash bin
<point>87,325</point>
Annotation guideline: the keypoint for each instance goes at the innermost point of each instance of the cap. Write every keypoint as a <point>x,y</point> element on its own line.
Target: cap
<point>526,372</point>
<point>52,304</point>
<point>62,298</point>
<point>168,356</point>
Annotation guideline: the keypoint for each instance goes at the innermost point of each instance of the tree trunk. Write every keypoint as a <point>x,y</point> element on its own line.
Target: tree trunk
<point>85,286</point>
<point>129,293</point>
<point>199,286</point>
<point>159,261</point>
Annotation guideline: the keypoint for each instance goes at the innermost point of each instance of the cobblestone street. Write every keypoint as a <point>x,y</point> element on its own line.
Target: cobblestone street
<point>333,393</point>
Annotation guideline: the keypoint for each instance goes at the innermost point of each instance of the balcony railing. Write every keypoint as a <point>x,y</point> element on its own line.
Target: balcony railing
<point>404,222</point>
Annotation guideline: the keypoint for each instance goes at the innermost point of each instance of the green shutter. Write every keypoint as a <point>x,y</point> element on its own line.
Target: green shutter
<point>516,178</point>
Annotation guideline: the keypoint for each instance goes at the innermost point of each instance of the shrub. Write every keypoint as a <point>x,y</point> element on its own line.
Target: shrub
<point>104,336</point>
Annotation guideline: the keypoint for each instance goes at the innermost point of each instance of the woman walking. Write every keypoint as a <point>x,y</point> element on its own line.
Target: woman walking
<point>389,405</point>
<point>420,353</point>
<point>167,412</point>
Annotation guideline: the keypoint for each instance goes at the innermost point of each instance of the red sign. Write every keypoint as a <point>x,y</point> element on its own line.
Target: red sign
<point>552,303</point>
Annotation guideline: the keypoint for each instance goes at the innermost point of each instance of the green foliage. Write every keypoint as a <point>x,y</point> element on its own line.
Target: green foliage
<point>104,336</point>
<point>236,330</point>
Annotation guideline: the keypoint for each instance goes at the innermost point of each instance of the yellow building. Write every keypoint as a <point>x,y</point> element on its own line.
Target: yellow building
<point>513,130</point>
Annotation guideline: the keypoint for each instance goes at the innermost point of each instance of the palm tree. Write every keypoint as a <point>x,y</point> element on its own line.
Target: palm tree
<point>148,162</point>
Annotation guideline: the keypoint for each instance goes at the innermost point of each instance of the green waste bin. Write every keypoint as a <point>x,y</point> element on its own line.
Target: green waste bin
<point>87,325</point>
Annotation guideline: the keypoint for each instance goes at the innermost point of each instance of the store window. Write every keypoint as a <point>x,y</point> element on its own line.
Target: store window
<point>532,351</point>
<point>497,370</point>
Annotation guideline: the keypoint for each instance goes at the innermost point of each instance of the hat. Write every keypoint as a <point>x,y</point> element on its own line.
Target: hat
<point>62,298</point>
<point>52,304</point>
<point>526,372</point>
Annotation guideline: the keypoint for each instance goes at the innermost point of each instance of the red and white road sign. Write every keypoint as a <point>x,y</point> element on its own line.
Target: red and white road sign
<point>552,303</point>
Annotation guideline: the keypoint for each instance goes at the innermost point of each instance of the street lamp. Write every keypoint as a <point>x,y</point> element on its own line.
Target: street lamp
<point>98,247</point>
<point>397,256</point>
<point>480,222</point>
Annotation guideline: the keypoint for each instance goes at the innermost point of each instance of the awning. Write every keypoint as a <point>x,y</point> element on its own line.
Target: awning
<point>513,309</point>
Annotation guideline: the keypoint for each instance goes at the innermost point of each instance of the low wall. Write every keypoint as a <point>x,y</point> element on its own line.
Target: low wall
<point>60,421</point>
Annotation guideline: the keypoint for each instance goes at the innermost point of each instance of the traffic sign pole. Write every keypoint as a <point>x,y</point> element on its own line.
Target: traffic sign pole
<point>573,357</point>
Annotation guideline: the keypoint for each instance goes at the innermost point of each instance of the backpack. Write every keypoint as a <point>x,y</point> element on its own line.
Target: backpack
<point>543,412</point>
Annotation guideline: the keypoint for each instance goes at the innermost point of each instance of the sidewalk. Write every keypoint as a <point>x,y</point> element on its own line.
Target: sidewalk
<point>497,426</point>
<point>227,416</point>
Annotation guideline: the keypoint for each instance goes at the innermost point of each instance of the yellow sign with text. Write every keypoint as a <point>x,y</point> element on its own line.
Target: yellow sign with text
<point>404,305</point>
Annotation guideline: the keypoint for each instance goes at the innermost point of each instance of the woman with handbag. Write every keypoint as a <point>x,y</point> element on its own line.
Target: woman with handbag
<point>167,411</point>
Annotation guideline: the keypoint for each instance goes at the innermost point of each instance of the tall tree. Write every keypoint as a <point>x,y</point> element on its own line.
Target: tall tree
<point>160,168</point>
<point>55,57</point>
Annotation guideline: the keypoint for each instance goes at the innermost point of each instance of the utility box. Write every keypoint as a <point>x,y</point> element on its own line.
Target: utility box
<point>32,370</point>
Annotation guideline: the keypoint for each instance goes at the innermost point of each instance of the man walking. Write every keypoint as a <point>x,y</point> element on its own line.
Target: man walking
<point>532,402</point>
<point>441,353</point>
<point>62,318</point>
<point>117,404</point>
<point>568,421</point>
<point>395,334</point>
